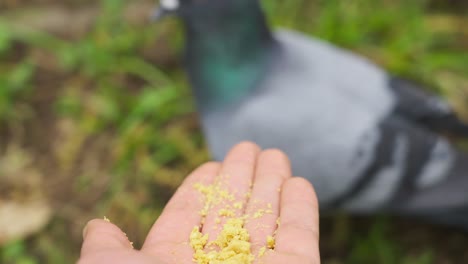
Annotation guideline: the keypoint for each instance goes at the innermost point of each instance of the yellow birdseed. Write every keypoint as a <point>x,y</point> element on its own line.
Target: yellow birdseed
<point>225,212</point>
<point>262,212</point>
<point>197,239</point>
<point>259,214</point>
<point>262,251</point>
<point>232,244</point>
<point>238,205</point>
<point>271,242</point>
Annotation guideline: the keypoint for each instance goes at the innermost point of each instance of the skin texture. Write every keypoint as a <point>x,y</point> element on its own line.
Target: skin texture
<point>297,236</point>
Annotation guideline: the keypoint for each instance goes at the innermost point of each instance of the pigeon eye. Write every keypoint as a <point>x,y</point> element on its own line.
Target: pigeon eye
<point>170,4</point>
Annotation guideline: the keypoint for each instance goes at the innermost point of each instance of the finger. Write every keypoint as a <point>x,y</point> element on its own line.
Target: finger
<point>119,257</point>
<point>274,257</point>
<point>273,168</point>
<point>235,178</point>
<point>182,212</point>
<point>100,235</point>
<point>298,232</point>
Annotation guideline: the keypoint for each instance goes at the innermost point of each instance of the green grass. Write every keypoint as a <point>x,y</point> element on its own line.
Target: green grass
<point>125,134</point>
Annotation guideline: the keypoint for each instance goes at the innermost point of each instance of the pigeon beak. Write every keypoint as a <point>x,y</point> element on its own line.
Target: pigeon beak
<point>159,14</point>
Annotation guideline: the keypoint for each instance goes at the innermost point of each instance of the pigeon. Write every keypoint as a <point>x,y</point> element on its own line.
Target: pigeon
<point>368,141</point>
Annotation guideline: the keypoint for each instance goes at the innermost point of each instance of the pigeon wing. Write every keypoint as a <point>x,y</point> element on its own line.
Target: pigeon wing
<point>428,110</point>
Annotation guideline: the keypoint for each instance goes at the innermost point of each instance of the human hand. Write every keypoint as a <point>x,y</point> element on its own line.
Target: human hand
<point>291,199</point>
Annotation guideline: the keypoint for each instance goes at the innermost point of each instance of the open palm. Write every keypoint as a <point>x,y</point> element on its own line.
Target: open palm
<point>291,199</point>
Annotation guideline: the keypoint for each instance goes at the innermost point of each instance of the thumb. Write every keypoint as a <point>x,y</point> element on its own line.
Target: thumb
<point>100,235</point>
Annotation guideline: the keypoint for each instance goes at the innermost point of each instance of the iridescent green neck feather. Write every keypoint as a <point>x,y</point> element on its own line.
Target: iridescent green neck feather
<point>227,52</point>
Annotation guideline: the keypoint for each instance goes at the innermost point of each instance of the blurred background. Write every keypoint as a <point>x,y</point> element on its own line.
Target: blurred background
<point>96,117</point>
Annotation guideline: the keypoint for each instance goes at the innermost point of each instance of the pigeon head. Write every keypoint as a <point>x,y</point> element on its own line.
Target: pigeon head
<point>170,7</point>
<point>193,11</point>
<point>227,42</point>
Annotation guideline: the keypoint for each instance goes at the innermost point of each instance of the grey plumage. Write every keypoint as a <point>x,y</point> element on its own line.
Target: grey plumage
<point>330,110</point>
<point>366,140</point>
